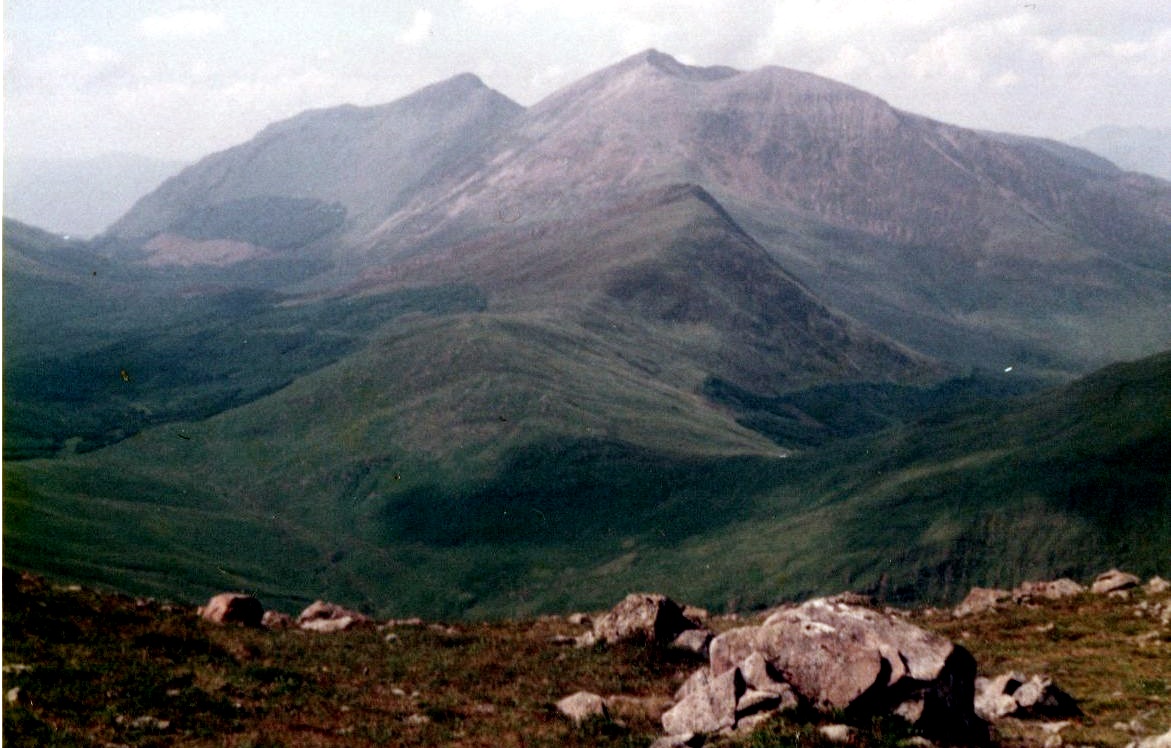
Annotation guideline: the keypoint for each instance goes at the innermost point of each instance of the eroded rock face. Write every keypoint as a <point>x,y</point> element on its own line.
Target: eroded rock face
<point>233,607</point>
<point>833,656</point>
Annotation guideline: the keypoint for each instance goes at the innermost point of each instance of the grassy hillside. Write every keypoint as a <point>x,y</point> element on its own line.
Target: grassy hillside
<point>401,520</point>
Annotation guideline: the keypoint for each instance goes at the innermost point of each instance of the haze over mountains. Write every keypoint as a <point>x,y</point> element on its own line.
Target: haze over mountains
<point>534,355</point>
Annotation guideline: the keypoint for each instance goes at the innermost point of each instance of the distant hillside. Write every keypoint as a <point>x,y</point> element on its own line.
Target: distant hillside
<point>80,197</point>
<point>1058,483</point>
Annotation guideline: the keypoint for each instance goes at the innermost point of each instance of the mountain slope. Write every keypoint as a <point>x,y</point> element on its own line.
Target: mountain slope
<point>353,165</point>
<point>966,245</point>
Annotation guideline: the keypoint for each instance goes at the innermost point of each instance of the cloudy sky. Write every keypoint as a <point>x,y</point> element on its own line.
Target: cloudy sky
<point>181,79</point>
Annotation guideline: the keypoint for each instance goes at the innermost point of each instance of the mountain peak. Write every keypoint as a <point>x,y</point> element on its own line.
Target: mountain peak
<point>665,63</point>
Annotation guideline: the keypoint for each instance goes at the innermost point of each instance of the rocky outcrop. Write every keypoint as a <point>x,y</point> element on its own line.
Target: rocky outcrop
<point>233,607</point>
<point>834,657</point>
<point>1023,697</point>
<point>645,618</point>
<point>1113,581</point>
<point>323,617</point>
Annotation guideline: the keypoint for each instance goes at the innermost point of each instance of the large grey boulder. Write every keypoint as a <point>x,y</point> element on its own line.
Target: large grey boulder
<point>863,662</point>
<point>233,607</point>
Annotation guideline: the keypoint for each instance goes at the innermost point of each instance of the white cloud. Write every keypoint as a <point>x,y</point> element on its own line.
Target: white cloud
<point>419,30</point>
<point>182,24</point>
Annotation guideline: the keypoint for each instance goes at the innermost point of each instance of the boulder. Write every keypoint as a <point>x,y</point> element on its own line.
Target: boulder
<point>863,662</point>
<point>647,618</point>
<point>695,641</point>
<point>582,706</point>
<point>736,700</point>
<point>1053,590</point>
<point>329,625</point>
<point>1113,581</point>
<point>323,617</point>
<point>233,607</point>
<point>1023,697</point>
<point>981,600</point>
<point>709,707</point>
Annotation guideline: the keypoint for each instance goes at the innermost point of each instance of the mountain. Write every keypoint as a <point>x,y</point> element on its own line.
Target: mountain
<point>453,356</point>
<point>317,175</point>
<point>1144,149</point>
<point>80,197</point>
<point>982,249</point>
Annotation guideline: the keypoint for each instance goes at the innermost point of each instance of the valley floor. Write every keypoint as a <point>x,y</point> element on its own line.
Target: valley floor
<point>87,668</point>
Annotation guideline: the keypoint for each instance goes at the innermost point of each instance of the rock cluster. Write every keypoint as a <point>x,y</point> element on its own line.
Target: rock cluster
<point>831,656</point>
<point>1112,582</point>
<point>322,617</point>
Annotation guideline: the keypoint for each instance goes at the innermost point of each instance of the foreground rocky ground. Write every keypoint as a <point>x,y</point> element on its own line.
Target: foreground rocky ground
<point>85,668</point>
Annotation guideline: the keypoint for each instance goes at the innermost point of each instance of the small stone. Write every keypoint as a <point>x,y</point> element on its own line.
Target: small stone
<point>837,733</point>
<point>582,705</point>
<point>980,600</point>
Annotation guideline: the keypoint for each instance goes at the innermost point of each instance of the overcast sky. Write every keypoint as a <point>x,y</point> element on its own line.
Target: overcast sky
<point>179,80</point>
